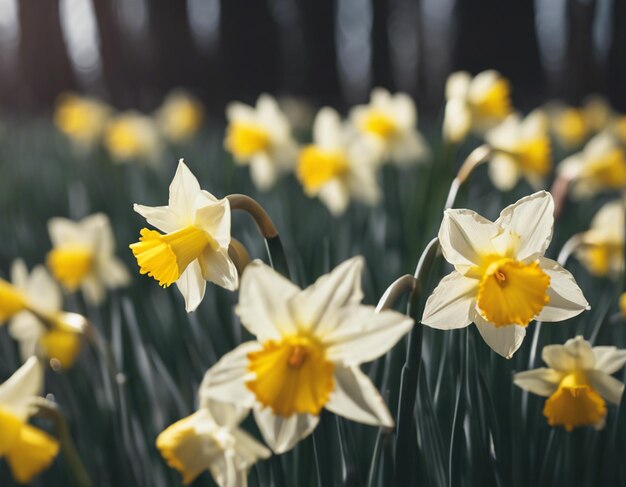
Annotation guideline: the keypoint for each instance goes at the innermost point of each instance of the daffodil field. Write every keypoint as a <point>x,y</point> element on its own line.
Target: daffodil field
<point>303,297</point>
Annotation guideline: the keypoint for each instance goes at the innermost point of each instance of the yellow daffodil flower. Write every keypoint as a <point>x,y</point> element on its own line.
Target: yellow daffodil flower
<point>501,280</point>
<point>180,116</point>
<point>193,247</point>
<point>132,136</point>
<point>260,137</point>
<point>306,356</point>
<point>27,450</point>
<point>572,126</point>
<point>81,118</point>
<point>577,383</point>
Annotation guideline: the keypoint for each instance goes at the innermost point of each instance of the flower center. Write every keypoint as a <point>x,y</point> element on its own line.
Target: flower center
<point>495,103</point>
<point>246,139</point>
<point>70,264</point>
<point>11,300</point>
<point>575,403</point>
<point>165,257</point>
<point>601,257</point>
<point>292,376</point>
<point>380,124</point>
<point>534,155</point>
<point>511,292</point>
<point>571,126</point>
<point>609,171</point>
<point>317,166</point>
<point>124,139</point>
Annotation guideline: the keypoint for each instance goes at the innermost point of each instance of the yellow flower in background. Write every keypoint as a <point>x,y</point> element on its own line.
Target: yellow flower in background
<point>600,166</point>
<point>572,126</point>
<point>577,383</point>
<point>81,118</point>
<point>210,439</point>
<point>336,166</point>
<point>306,356</point>
<point>527,144</point>
<point>27,450</point>
<point>83,256</point>
<point>602,246</point>
<point>622,304</point>
<point>261,138</point>
<point>475,104</point>
<point>501,280</point>
<point>388,124</point>
<point>36,297</point>
<point>132,136</point>
<point>193,247</point>
<point>180,116</point>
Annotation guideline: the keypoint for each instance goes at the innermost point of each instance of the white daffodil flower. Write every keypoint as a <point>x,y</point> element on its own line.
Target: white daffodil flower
<point>309,346</point>
<point>501,280</point>
<point>27,450</point>
<point>261,137</point>
<point>336,166</point>
<point>193,247</point>
<point>133,136</point>
<point>388,124</point>
<point>474,104</point>
<point>602,246</point>
<point>28,300</point>
<point>179,117</point>
<point>600,166</point>
<point>210,439</point>
<point>83,256</point>
<point>527,146</point>
<point>577,382</point>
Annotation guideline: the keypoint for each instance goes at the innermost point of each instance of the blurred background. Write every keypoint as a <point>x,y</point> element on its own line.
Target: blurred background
<point>132,52</point>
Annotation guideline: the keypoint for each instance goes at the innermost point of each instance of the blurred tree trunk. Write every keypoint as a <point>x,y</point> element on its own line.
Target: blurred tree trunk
<point>381,64</point>
<point>581,73</point>
<point>617,58</point>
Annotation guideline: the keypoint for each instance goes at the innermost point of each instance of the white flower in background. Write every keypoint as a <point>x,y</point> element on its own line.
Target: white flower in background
<point>336,166</point>
<point>388,125</point>
<point>577,383</point>
<point>501,280</point>
<point>193,247</point>
<point>474,104</point>
<point>81,118</point>
<point>309,345</point>
<point>602,246</point>
<point>600,166</point>
<point>27,450</point>
<point>180,116</point>
<point>261,137</point>
<point>132,136</point>
<point>83,256</point>
<point>527,144</point>
<point>210,439</point>
<point>31,298</point>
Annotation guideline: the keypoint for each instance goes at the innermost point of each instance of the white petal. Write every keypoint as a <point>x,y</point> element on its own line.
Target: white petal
<point>334,194</point>
<point>607,386</point>
<point>43,292</point>
<point>504,340</point>
<point>357,399</point>
<point>575,354</point>
<point>503,172</point>
<point>464,235</point>
<point>457,84</point>
<point>327,129</point>
<point>93,289</point>
<point>282,434</point>
<point>247,449</point>
<point>542,382</point>
<point>409,149</point>
<point>566,298</point>
<point>218,268</point>
<point>17,392</point>
<point>192,285</point>
<point>114,273</point>
<point>63,230</point>
<point>26,329</point>
<point>184,189</point>
<point>161,217</point>
<point>609,359</point>
<point>457,120</point>
<point>263,302</point>
<point>214,218</point>
<point>19,274</point>
<point>532,218</point>
<point>452,303</point>
<point>263,172</point>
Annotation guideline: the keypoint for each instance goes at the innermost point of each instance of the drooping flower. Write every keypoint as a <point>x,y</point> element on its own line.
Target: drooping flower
<point>600,166</point>
<point>388,124</point>
<point>309,345</point>
<point>260,137</point>
<point>501,280</point>
<point>577,383</point>
<point>527,147</point>
<point>336,166</point>
<point>81,118</point>
<point>33,304</point>
<point>602,246</point>
<point>132,136</point>
<point>83,256</point>
<point>193,247</point>
<point>474,104</point>
<point>210,439</point>
<point>27,450</point>
<point>179,117</point>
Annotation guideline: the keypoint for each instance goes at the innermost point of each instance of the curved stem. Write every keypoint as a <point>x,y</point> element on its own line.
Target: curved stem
<point>559,191</point>
<point>399,287</point>
<point>474,159</point>
<point>239,255</point>
<point>256,211</point>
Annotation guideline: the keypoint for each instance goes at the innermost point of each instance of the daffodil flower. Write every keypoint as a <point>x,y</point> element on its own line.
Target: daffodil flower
<point>309,345</point>
<point>210,439</point>
<point>336,166</point>
<point>180,116</point>
<point>388,125</point>
<point>600,166</point>
<point>80,118</point>
<point>577,383</point>
<point>261,137</point>
<point>132,136</point>
<point>524,147</point>
<point>32,303</point>
<point>474,104</point>
<point>27,450</point>
<point>83,256</point>
<point>501,280</point>
<point>193,247</point>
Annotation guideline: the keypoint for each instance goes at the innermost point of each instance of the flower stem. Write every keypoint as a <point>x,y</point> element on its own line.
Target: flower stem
<point>476,157</point>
